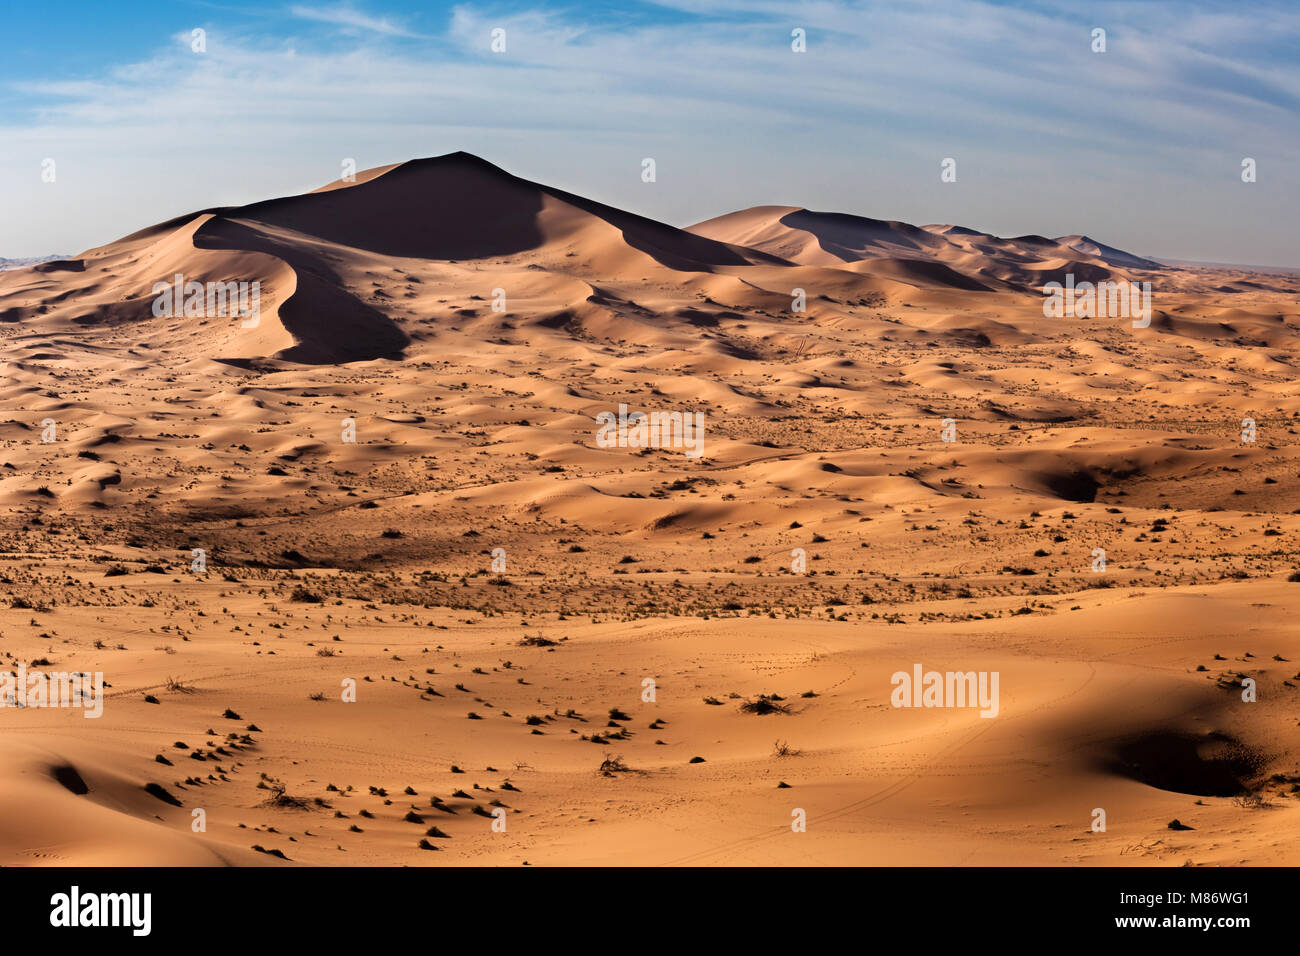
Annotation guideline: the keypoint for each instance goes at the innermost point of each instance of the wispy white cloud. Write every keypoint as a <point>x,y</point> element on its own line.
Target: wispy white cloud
<point>350,18</point>
<point>1138,146</point>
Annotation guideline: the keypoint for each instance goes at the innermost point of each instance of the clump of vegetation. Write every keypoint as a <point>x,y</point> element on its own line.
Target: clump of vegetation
<point>765,704</point>
<point>282,800</point>
<point>612,765</point>
<point>536,640</point>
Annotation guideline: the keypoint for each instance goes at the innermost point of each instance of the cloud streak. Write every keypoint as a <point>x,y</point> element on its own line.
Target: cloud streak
<point>1049,137</point>
<point>351,19</point>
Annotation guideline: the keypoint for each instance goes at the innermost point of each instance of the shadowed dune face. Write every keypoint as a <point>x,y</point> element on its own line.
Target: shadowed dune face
<point>327,322</point>
<point>1073,486</point>
<point>70,780</point>
<point>456,207</point>
<point>849,238</point>
<point>397,478</point>
<point>920,272</point>
<point>1215,765</point>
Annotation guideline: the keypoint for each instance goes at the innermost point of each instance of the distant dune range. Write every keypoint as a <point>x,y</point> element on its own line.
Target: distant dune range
<point>7,264</point>
<point>470,325</point>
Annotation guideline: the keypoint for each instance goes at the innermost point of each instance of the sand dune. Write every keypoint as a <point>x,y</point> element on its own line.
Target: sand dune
<point>949,255</point>
<point>903,462</point>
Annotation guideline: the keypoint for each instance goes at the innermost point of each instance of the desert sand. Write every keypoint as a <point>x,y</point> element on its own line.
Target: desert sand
<point>522,688</point>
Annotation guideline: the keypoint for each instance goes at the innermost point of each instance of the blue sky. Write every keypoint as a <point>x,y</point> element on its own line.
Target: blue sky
<point>1140,146</point>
